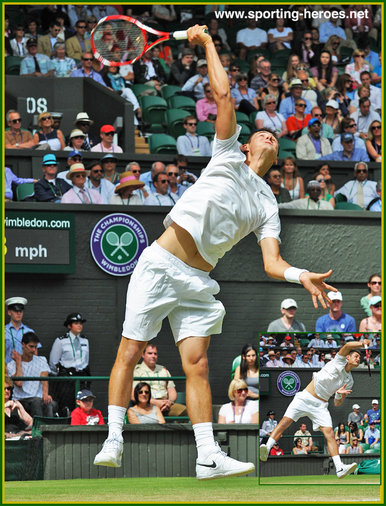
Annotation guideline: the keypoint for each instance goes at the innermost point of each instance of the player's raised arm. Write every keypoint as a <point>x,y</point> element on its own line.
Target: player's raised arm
<point>219,82</point>
<point>353,345</point>
<point>277,268</point>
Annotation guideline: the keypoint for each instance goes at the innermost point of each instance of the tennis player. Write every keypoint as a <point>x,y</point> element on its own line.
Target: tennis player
<point>171,279</point>
<point>334,378</point>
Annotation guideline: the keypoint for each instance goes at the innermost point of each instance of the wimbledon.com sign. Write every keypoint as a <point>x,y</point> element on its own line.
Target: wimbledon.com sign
<point>37,242</point>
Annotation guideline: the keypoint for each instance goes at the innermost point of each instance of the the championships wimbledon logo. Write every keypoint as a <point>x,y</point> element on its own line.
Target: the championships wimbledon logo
<point>117,242</point>
<point>288,383</point>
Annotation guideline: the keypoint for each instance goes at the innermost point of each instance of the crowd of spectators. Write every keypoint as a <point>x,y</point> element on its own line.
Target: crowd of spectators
<point>324,104</point>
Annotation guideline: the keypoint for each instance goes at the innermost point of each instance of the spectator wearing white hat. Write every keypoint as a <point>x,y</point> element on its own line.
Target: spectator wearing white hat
<point>355,416</point>
<point>373,414</point>
<point>287,322</point>
<point>79,193</point>
<point>195,84</point>
<point>330,342</point>
<point>335,320</point>
<point>83,122</point>
<point>76,140</point>
<point>313,201</point>
<point>15,329</point>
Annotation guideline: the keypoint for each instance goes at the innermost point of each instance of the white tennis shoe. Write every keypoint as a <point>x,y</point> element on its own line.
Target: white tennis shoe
<point>346,470</point>
<point>219,465</point>
<point>263,453</point>
<point>111,453</point>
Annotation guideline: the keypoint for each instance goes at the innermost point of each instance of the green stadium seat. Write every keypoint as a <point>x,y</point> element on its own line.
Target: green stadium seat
<point>174,120</point>
<point>138,89</point>
<point>170,90</point>
<point>285,154</point>
<point>304,343</point>
<point>347,206</point>
<point>286,144</point>
<point>372,450</point>
<point>205,128</point>
<point>162,143</point>
<point>38,421</point>
<point>182,102</point>
<point>365,446</point>
<point>12,65</point>
<point>244,134</point>
<point>236,362</point>
<point>242,118</point>
<point>24,191</point>
<point>153,113</point>
<point>252,119</point>
<point>265,52</point>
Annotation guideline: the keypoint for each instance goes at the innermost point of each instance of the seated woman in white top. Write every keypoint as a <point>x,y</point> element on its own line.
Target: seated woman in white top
<point>271,119</point>
<point>240,409</point>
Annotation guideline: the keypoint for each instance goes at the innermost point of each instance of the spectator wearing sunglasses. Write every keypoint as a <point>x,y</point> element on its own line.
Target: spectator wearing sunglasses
<point>79,193</point>
<point>374,285</point>
<point>73,157</point>
<point>307,51</point>
<point>348,125</point>
<point>244,99</point>
<point>348,153</point>
<point>50,188</point>
<point>374,141</point>
<point>47,134</point>
<point>271,119</point>
<point>162,195</point>
<point>373,323</point>
<point>194,86</point>
<point>262,78</point>
<point>96,181</point>
<point>107,141</point>
<point>142,410</point>
<point>76,140</point>
<point>175,187</point>
<point>359,191</point>
<point>85,413</point>
<point>16,137</point>
<point>240,409</point>
<point>274,87</point>
<point>192,144</point>
<point>86,70</point>
<point>78,45</point>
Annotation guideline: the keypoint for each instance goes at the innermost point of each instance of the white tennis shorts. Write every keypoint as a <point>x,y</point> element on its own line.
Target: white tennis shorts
<point>163,286</point>
<point>305,404</point>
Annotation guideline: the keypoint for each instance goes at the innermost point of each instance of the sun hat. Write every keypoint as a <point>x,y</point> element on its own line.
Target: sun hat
<point>128,179</point>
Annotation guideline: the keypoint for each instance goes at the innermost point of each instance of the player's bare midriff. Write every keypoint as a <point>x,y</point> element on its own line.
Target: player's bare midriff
<point>181,244</point>
<point>311,389</point>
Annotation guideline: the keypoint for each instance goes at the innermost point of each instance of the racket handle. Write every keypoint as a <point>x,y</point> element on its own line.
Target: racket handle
<point>180,35</point>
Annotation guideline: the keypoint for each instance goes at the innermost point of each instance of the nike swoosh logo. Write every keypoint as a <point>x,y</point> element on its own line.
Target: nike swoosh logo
<point>213,465</point>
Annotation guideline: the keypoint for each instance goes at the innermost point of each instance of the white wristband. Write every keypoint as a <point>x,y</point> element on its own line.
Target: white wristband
<point>292,274</point>
<point>338,396</point>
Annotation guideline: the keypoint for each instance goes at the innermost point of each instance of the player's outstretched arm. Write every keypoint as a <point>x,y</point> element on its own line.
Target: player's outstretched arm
<point>219,82</point>
<point>277,268</point>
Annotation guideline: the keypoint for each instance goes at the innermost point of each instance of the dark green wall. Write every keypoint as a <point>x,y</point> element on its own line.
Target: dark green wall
<point>347,242</point>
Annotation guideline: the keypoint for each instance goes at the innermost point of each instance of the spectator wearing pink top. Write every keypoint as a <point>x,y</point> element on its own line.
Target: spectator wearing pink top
<point>79,194</point>
<point>206,108</point>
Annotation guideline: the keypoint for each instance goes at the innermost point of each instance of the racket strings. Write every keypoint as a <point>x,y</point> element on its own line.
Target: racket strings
<point>118,40</point>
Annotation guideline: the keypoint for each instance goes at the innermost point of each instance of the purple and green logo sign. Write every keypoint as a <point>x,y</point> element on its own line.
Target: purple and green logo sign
<point>288,383</point>
<point>116,243</point>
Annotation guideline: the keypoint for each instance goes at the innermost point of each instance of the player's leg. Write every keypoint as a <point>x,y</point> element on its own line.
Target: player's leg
<point>211,461</point>
<point>276,434</point>
<point>120,385</point>
<point>342,470</point>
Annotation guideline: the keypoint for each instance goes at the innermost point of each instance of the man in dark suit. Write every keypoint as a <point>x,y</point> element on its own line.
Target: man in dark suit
<point>50,188</point>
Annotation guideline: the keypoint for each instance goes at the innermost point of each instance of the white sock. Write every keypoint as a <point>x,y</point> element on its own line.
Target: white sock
<point>116,416</point>
<point>270,443</point>
<point>203,433</point>
<point>337,462</point>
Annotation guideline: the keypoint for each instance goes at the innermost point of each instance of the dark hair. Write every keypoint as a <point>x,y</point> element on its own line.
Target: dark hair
<point>297,440</point>
<point>292,159</point>
<point>341,81</point>
<point>138,388</point>
<point>244,364</point>
<point>344,426</point>
<point>355,351</point>
<point>373,276</point>
<point>93,163</point>
<point>156,176</point>
<point>187,118</point>
<point>30,337</point>
<point>260,130</point>
<point>363,100</point>
<point>328,68</point>
<point>78,23</point>
<point>180,158</point>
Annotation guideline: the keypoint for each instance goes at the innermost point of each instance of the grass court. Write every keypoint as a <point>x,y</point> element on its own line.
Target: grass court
<point>312,489</point>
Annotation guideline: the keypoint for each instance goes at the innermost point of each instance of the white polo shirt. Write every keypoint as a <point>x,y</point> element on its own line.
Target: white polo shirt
<point>227,202</point>
<point>332,377</point>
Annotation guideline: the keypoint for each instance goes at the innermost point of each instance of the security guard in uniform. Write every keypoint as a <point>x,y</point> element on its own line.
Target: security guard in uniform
<point>70,357</point>
<point>15,329</point>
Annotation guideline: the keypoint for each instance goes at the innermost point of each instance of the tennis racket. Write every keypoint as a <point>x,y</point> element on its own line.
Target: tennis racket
<point>368,359</point>
<point>119,40</point>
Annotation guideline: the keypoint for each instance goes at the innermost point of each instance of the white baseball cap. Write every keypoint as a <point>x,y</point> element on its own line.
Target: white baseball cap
<point>355,406</point>
<point>335,295</point>
<point>287,303</point>
<point>374,401</point>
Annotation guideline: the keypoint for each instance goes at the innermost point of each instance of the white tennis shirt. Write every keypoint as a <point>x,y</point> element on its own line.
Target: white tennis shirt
<point>332,377</point>
<point>226,203</point>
